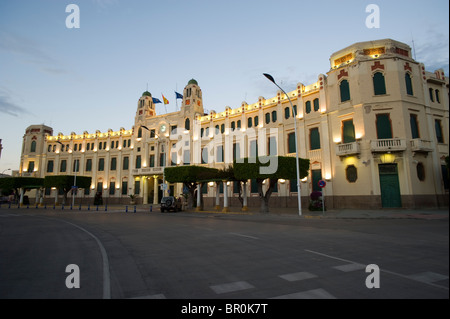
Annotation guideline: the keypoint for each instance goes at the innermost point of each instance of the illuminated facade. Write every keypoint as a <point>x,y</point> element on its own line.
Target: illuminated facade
<point>375,128</point>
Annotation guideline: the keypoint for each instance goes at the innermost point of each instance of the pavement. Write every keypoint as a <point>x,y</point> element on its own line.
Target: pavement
<point>283,212</point>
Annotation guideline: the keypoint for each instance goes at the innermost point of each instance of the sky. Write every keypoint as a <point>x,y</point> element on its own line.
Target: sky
<point>90,78</point>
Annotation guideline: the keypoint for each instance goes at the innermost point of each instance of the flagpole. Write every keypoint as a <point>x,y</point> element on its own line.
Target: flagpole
<point>176,100</point>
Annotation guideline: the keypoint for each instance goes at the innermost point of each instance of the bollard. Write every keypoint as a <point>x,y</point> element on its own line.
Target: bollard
<point>62,207</point>
<point>106,208</point>
<point>28,206</point>
<point>70,206</point>
<point>126,209</point>
<point>151,208</point>
<point>54,206</point>
<point>89,206</point>
<point>37,206</point>
<point>45,206</point>
<point>79,208</point>
<point>97,208</point>
<point>9,206</point>
<point>134,209</point>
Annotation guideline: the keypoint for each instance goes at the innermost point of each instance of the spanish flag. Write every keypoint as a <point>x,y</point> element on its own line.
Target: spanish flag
<point>166,101</point>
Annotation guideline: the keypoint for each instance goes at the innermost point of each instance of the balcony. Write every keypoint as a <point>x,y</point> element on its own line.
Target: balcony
<point>388,145</point>
<point>148,171</point>
<point>423,146</point>
<point>27,174</point>
<point>348,149</point>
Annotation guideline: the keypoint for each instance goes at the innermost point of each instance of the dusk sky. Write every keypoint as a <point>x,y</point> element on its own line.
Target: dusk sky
<point>90,78</point>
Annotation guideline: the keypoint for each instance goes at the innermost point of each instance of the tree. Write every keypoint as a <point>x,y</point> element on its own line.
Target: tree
<point>17,183</point>
<point>252,168</point>
<point>65,182</point>
<point>190,176</point>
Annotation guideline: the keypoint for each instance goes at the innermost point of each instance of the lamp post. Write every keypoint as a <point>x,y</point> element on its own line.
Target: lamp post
<point>74,177</point>
<point>271,79</point>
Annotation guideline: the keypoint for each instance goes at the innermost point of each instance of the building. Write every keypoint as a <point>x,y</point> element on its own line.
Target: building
<point>375,128</point>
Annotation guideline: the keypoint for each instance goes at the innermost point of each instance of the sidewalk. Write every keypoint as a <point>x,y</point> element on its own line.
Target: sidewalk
<point>399,213</point>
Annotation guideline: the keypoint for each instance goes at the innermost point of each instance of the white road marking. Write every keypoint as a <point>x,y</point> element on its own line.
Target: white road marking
<point>383,270</point>
<point>231,287</point>
<point>242,235</point>
<point>310,294</point>
<point>350,267</point>
<point>428,277</point>
<point>298,276</point>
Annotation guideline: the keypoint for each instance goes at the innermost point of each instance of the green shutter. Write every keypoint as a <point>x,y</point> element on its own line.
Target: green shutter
<point>345,91</point>
<point>287,113</point>
<point>125,162</point>
<point>138,161</point>
<point>408,82</point>
<point>314,138</point>
<point>267,118</point>
<point>293,186</point>
<point>152,160</point>
<point>414,126</point>
<point>124,188</point>
<point>291,143</point>
<point>249,122</point>
<point>384,129</point>
<point>273,146</point>
<point>316,105</point>
<point>308,107</point>
<point>348,131</point>
<point>439,136</point>
<point>253,149</point>
<point>88,165</point>
<point>316,177</point>
<point>274,116</point>
<point>379,85</point>
<point>254,186</point>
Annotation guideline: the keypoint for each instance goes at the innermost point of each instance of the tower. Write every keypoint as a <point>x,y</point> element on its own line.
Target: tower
<point>32,158</point>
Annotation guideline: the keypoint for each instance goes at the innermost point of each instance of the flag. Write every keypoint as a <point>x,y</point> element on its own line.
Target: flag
<point>155,100</point>
<point>178,95</point>
<point>166,101</point>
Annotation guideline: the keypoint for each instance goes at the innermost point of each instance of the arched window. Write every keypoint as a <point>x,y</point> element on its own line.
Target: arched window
<point>274,116</point>
<point>267,118</point>
<point>256,120</point>
<point>187,124</point>
<point>438,98</point>
<point>345,90</point>
<point>420,171</point>
<point>249,122</point>
<point>33,147</point>
<point>316,105</point>
<point>287,113</point>
<point>308,107</point>
<point>408,82</point>
<point>140,132</point>
<point>379,84</point>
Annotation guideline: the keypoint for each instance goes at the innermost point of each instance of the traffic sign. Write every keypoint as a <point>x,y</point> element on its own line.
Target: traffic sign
<point>322,183</point>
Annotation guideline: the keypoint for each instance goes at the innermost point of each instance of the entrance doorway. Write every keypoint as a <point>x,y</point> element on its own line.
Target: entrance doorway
<point>390,186</point>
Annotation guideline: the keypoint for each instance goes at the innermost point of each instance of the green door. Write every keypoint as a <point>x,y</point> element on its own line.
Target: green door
<point>390,187</point>
<point>316,177</point>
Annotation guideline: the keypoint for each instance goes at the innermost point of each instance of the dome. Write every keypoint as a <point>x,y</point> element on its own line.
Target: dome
<point>192,81</point>
<point>146,93</point>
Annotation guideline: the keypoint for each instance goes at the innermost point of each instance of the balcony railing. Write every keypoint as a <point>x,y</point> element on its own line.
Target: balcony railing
<point>418,145</point>
<point>315,154</point>
<point>388,145</point>
<point>348,149</point>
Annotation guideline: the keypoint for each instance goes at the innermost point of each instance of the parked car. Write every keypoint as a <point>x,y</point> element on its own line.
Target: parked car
<point>171,203</point>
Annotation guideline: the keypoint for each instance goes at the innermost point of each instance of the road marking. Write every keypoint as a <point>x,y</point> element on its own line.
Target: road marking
<point>231,287</point>
<point>310,294</point>
<point>428,277</point>
<point>383,270</point>
<point>350,267</point>
<point>242,235</point>
<point>106,274</point>
<point>298,276</point>
<point>10,215</point>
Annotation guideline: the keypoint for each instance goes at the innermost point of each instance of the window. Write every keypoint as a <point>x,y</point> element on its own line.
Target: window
<point>100,145</point>
<point>254,186</point>
<point>438,98</point>
<point>152,160</point>
<point>222,128</point>
<point>217,129</point>
<point>344,89</point>
<point>76,165</point>
<point>291,143</point>
<point>88,165</point>
<point>316,176</point>
<point>33,147</point>
<point>267,118</point>
<point>236,151</point>
<point>187,157</point>
<point>204,188</point>
<point>207,131</point>
<point>152,133</point>
<point>49,148</point>
<point>63,166</point>
<point>295,111</point>
<point>88,146</point>
<point>30,167</point>
<point>219,154</point>
<point>384,128</point>
<point>205,155</point>
<point>112,188</point>
<point>316,105</point>
<point>431,94</point>
<point>75,147</point>
<point>351,173</point>
<point>129,142</point>
<point>293,187</point>
<point>256,121</point>
<point>173,129</point>
<point>124,188</point>
<point>379,85</point>
<point>233,126</point>
<point>272,141</point>
<point>420,169</point>
<point>408,82</point>
<point>308,107</point>
<point>238,124</point>
<point>249,122</point>
<point>50,166</point>
<point>113,164</point>
<point>287,113</point>
<point>274,116</point>
<point>187,124</point>
<point>138,161</point>
<point>236,187</point>
<point>162,159</point>
<point>99,187</point>
<point>101,164</point>
<point>137,187</point>
<point>314,138</point>
<point>348,131</point>
<point>126,163</point>
<point>414,126</point>
<point>438,128</point>
<point>139,132</point>
<point>202,131</point>
<point>253,148</point>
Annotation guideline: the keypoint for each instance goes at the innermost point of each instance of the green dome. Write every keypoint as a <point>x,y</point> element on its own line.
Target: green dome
<point>146,93</point>
<point>192,81</point>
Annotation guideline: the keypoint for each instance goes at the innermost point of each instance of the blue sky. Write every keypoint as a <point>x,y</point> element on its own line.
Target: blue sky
<point>91,78</point>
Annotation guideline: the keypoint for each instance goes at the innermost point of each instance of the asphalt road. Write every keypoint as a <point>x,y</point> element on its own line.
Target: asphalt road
<point>208,256</point>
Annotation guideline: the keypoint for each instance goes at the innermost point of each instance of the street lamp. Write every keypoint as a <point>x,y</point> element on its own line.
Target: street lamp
<point>74,177</point>
<point>271,79</point>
